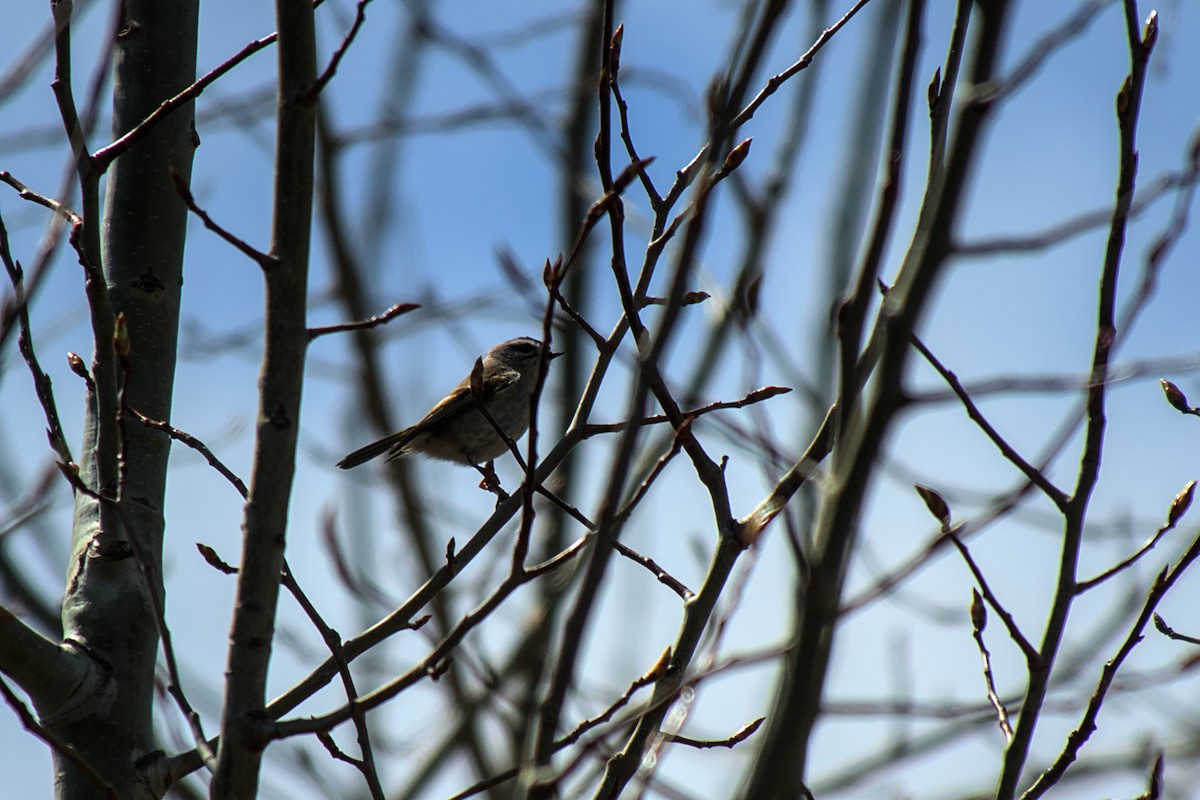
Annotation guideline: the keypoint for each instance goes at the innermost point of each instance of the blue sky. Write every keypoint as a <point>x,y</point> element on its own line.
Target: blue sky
<point>465,194</point>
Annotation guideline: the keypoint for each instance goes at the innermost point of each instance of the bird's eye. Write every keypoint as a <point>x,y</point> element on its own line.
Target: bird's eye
<point>526,347</point>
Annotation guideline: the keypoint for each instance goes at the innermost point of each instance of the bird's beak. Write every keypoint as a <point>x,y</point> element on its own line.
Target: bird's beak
<point>554,355</point>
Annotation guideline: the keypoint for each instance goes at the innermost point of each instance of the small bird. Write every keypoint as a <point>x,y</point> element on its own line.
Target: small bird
<point>454,429</point>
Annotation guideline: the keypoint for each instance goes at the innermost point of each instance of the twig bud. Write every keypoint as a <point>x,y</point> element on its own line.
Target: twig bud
<point>1150,34</point>
<point>1180,504</point>
<point>736,156</point>
<point>77,366</point>
<point>934,92</point>
<point>121,344</point>
<point>1123,96</point>
<point>935,503</point>
<point>614,51</point>
<point>660,666</point>
<point>1175,396</point>
<point>215,561</point>
<point>978,612</point>
<point>766,392</point>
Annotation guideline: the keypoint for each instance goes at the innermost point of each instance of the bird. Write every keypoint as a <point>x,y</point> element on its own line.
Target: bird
<point>454,429</point>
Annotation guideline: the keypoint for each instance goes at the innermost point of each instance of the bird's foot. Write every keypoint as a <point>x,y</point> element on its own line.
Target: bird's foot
<point>491,482</point>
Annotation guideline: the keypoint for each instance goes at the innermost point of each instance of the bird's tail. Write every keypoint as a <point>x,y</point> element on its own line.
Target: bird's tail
<point>364,454</point>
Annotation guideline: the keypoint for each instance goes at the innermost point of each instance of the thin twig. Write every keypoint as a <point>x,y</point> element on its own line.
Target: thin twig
<point>623,115</point>
<point>41,381</point>
<point>191,441</point>
<point>1087,725</point>
<point>434,662</point>
<point>659,466</point>
<point>106,155</point>
<point>1178,507</point>
<point>1038,54</point>
<point>1035,475</point>
<point>264,260</point>
<point>740,735</point>
<point>1032,657</point>
<point>778,80</point>
<point>1166,630</point>
<point>978,623</point>
<point>332,640</point>
<point>756,396</point>
<point>365,765</point>
<point>25,193</point>
<point>664,577</point>
<point>1128,110</point>
<point>373,322</point>
<point>360,16</point>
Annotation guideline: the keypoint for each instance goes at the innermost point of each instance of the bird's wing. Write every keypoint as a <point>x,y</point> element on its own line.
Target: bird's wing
<point>459,400</point>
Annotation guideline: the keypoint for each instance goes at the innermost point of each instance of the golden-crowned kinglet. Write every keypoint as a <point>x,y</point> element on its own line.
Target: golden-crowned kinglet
<point>454,430</point>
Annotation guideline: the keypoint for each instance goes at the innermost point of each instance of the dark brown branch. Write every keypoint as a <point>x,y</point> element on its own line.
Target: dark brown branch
<point>360,16</point>
<point>365,324</point>
<point>433,662</point>
<point>778,80</point>
<point>264,260</point>
<point>757,396</point>
<point>1166,630</point>
<point>1087,725</point>
<point>365,765</point>
<point>41,381</point>
<point>192,442</point>
<point>584,325</point>
<point>1032,657</point>
<point>659,465</point>
<point>106,155</point>
<point>1128,110</point>
<point>740,735</point>
<point>978,623</point>
<point>664,577</point>
<point>1178,507</point>
<point>1035,475</point>
<point>336,752</point>
<point>623,115</point>
<point>25,193</point>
